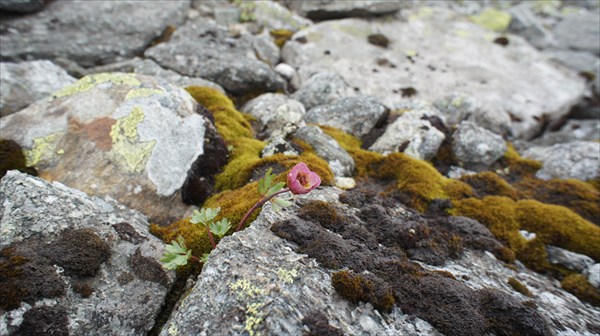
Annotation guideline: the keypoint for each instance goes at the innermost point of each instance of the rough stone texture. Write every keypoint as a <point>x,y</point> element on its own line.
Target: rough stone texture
<point>593,274</point>
<point>150,68</point>
<point>54,226</point>
<point>272,15</point>
<point>475,146</point>
<point>130,136</point>
<point>355,115</point>
<point>22,6</point>
<point>285,70</point>
<point>585,27</point>
<point>200,49</point>
<point>433,52</point>
<point>526,23</point>
<point>89,33</point>
<point>458,107</point>
<point>327,9</point>
<point>322,88</point>
<point>573,130</point>
<point>340,162</point>
<point>276,114</point>
<point>571,260</point>
<point>412,134</point>
<point>255,280</point>
<point>23,83</point>
<point>278,145</point>
<point>577,159</point>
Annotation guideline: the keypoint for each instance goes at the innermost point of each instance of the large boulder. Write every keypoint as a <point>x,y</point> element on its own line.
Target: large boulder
<point>75,265</point>
<point>136,138</point>
<point>476,147</point>
<point>255,282</point>
<point>23,83</point>
<point>88,33</point>
<point>433,52</point>
<point>200,49</point>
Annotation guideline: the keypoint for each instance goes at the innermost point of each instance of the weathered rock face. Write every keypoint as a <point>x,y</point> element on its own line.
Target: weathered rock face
<point>88,33</point>
<point>283,296</point>
<point>150,68</point>
<point>322,88</point>
<point>74,264</point>
<point>22,6</point>
<point>133,137</point>
<point>355,115</point>
<point>577,159</point>
<point>432,54</point>
<point>276,114</point>
<point>586,26</point>
<point>327,9</point>
<point>200,49</point>
<point>23,83</point>
<point>340,162</point>
<point>476,147</point>
<point>412,134</point>
<point>273,15</point>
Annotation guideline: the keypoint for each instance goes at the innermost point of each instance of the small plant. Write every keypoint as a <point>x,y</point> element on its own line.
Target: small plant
<point>300,180</point>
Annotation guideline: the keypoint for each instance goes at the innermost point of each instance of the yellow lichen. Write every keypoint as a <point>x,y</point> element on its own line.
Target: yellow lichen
<point>492,19</point>
<point>253,318</point>
<point>126,142</point>
<point>287,276</point>
<point>142,92</point>
<point>245,290</point>
<point>88,82</point>
<point>44,149</point>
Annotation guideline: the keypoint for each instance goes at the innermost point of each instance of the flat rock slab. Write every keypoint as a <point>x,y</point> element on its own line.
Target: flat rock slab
<point>130,136</point>
<point>432,53</point>
<point>200,49</point>
<point>74,264</point>
<point>89,33</point>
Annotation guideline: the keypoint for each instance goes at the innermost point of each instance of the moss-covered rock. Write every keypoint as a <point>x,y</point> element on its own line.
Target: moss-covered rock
<point>579,286</point>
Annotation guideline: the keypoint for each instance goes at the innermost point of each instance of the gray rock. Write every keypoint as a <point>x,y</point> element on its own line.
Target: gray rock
<point>571,260</point>
<point>133,137</point>
<point>285,70</point>
<point>412,134</point>
<point>205,50</point>
<point>526,23</point>
<point>328,9</point>
<point>475,146</point>
<point>92,33</point>
<point>91,265</point>
<point>355,115</point>
<point>272,15</point>
<point>585,27</point>
<point>266,50</point>
<point>458,172</point>
<point>340,162</point>
<point>323,88</point>
<point>150,68</point>
<point>580,61</point>
<point>577,159</point>
<point>22,6</point>
<point>23,83</point>
<point>273,292</point>
<point>573,130</point>
<point>225,16</point>
<point>593,274</point>
<point>278,145</point>
<point>451,55</point>
<point>457,107</point>
<point>276,114</point>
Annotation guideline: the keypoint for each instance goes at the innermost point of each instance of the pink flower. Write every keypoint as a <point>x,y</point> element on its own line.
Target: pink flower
<point>301,180</point>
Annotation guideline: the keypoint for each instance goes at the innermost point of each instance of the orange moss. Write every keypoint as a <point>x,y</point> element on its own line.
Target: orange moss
<point>579,286</point>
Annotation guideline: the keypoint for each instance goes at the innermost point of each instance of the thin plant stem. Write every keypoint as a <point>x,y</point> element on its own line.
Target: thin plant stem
<point>193,257</point>
<point>257,205</point>
<point>210,236</point>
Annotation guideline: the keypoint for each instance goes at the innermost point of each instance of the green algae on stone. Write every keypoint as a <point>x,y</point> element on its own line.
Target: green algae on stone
<point>88,82</point>
<point>492,19</point>
<point>126,142</point>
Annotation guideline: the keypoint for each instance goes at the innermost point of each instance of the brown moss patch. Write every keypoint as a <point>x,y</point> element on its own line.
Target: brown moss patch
<point>147,269</point>
<point>44,320</point>
<point>579,286</point>
<point>319,326</point>
<point>518,167</point>
<point>489,183</point>
<point>519,286</point>
<point>281,36</point>
<point>364,288</point>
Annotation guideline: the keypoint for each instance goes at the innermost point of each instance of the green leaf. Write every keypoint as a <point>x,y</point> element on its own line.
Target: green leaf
<point>277,187</point>
<point>176,254</point>
<point>220,228</point>
<point>204,258</point>
<point>265,182</point>
<point>279,203</point>
<point>204,216</point>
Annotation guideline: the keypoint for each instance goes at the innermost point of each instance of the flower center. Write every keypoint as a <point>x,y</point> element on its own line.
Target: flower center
<point>303,179</point>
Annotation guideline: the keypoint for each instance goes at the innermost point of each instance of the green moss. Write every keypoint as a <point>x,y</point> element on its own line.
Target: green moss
<point>489,183</point>
<point>195,237</point>
<point>235,203</point>
<point>579,286</point>
<point>519,286</point>
<point>552,224</point>
<point>356,288</point>
<point>244,156</point>
<point>517,166</point>
<point>281,36</point>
